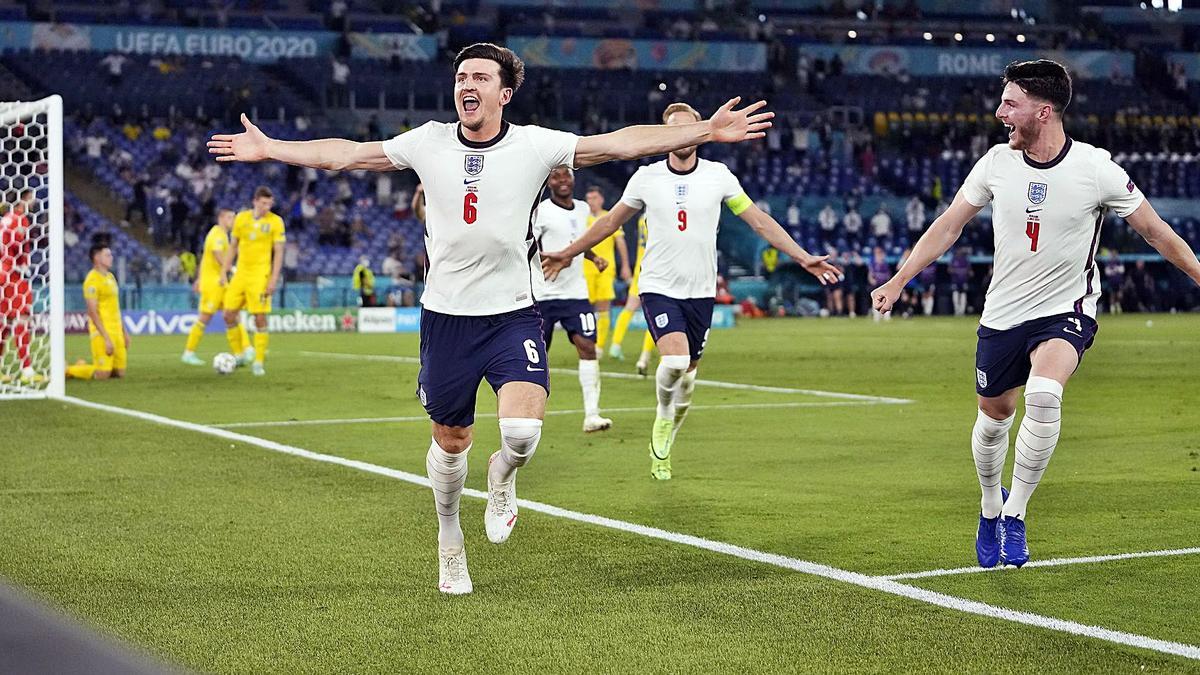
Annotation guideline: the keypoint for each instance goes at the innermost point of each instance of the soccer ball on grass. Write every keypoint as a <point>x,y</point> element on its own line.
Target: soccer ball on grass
<point>224,363</point>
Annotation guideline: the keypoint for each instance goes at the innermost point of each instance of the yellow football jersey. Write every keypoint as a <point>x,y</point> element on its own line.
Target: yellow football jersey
<point>103,289</point>
<point>215,243</point>
<point>255,239</point>
<point>606,249</point>
<point>643,232</point>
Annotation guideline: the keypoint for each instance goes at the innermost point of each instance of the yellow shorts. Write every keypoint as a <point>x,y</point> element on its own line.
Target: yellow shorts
<point>119,356</point>
<point>212,299</point>
<point>248,294</point>
<point>600,284</point>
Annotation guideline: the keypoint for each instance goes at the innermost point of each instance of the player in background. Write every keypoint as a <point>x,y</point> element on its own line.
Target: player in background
<point>16,296</point>
<point>557,222</point>
<point>482,177</point>
<point>960,278</point>
<point>601,282</point>
<point>1049,195</point>
<point>210,284</point>
<point>633,303</point>
<point>682,196</point>
<point>109,341</point>
<point>878,272</point>
<point>257,249</point>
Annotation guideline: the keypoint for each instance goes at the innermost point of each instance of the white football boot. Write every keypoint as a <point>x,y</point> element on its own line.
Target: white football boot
<point>453,578</point>
<point>500,516</point>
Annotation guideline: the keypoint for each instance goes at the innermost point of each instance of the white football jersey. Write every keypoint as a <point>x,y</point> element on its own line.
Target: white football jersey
<point>1046,220</point>
<point>479,202</point>
<point>555,227</point>
<point>683,212</point>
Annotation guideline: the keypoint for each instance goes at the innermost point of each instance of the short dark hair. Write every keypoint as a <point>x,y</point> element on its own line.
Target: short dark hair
<point>96,248</point>
<point>594,188</point>
<point>512,68</point>
<point>1044,79</point>
<point>263,191</point>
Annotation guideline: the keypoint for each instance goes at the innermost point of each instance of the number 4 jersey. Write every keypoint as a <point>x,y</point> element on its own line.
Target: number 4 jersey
<point>683,212</point>
<point>479,200</point>
<point>1046,221</point>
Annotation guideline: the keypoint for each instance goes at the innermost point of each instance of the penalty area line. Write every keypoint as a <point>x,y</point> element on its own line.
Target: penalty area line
<point>717,384</point>
<point>1053,562</point>
<point>804,566</point>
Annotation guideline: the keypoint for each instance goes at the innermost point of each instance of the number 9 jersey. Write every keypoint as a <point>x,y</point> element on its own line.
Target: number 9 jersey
<point>683,213</point>
<point>1046,219</point>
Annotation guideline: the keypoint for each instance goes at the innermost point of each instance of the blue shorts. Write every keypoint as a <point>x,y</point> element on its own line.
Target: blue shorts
<point>692,317</point>
<point>458,352</point>
<point>576,316</point>
<point>1002,356</point>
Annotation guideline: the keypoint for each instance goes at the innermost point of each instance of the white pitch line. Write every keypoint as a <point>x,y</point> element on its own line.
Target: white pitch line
<point>630,376</point>
<point>804,566</point>
<point>425,418</point>
<point>1053,562</point>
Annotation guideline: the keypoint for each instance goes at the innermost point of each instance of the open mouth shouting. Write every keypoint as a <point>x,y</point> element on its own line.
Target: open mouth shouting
<point>470,102</point>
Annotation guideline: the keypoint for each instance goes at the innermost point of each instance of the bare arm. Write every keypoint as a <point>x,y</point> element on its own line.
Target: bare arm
<point>725,126</point>
<point>276,265</point>
<point>623,256</point>
<point>333,154</point>
<point>553,263</point>
<point>230,258</point>
<point>941,235</point>
<point>1146,221</point>
<point>770,230</point>
<point>418,202</point>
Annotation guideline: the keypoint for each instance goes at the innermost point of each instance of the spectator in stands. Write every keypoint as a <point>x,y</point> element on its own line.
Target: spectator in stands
<point>336,19</point>
<point>291,260</point>
<point>960,277</point>
<point>364,282</point>
<point>835,294</point>
<point>881,223</point>
<point>914,213</point>
<point>793,219</point>
<point>172,268</point>
<point>828,221</point>
<point>1140,288</point>
<point>94,142</point>
<point>339,84</point>
<point>853,222</point>
<point>114,63</point>
<point>1114,277</point>
<point>855,270</point>
<point>359,232</point>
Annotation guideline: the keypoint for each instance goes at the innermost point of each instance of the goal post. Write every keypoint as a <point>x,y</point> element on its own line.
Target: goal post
<point>32,272</point>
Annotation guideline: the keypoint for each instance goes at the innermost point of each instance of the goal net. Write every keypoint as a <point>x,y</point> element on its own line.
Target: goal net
<point>32,357</point>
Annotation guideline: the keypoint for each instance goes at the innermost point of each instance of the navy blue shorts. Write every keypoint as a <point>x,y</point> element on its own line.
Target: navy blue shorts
<point>458,352</point>
<point>576,316</point>
<point>1002,356</point>
<point>692,317</point>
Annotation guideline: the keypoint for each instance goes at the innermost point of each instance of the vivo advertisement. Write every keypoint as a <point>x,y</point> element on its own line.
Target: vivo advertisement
<point>967,61</point>
<point>249,45</point>
<point>622,54</point>
<point>408,319</point>
<point>179,323</point>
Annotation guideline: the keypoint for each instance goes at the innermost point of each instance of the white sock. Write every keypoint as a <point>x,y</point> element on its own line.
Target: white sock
<point>589,381</point>
<point>447,473</point>
<point>670,370</point>
<point>683,400</point>
<point>518,441</point>
<point>927,306</point>
<point>989,446</point>
<point>1035,441</point>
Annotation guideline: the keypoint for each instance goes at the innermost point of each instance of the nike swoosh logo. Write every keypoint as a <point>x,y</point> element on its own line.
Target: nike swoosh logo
<point>469,182</point>
<point>1029,210</point>
<point>1068,330</point>
<point>538,370</point>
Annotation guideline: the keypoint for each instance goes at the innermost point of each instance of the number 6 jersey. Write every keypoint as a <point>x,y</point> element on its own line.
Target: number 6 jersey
<point>683,212</point>
<point>1046,220</point>
<point>479,200</point>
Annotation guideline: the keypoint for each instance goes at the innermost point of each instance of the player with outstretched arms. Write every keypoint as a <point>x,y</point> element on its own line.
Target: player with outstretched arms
<point>557,222</point>
<point>482,178</point>
<point>682,196</point>
<point>1049,195</point>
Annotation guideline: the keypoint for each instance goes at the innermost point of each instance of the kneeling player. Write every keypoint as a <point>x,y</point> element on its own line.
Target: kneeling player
<point>557,222</point>
<point>110,342</point>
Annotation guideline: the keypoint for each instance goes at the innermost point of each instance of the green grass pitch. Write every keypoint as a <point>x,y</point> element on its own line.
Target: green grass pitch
<point>222,556</point>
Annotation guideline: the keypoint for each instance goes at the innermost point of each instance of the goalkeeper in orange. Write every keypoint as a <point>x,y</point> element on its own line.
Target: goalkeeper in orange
<point>257,247</point>
<point>210,284</point>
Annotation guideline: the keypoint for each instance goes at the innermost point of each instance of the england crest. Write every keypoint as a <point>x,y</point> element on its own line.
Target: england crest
<point>473,165</point>
<point>681,190</point>
<point>1037,193</point>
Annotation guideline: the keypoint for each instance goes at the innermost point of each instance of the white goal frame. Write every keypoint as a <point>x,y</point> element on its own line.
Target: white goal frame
<point>54,385</point>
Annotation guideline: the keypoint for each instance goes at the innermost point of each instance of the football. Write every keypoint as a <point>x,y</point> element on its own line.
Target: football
<point>224,363</point>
